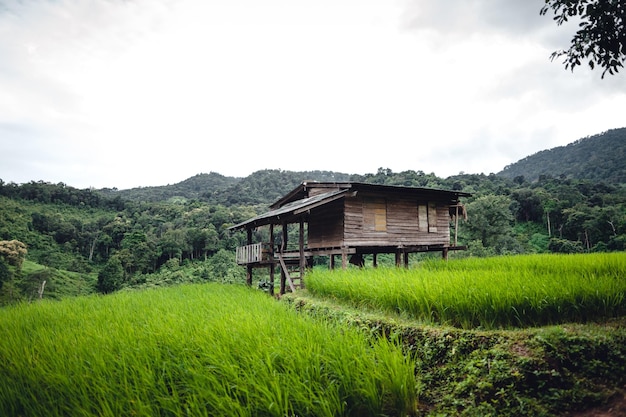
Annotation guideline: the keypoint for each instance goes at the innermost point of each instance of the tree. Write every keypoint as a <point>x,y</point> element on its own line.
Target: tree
<point>111,277</point>
<point>13,252</point>
<point>489,220</point>
<point>602,35</point>
<point>5,272</point>
<point>223,268</point>
<point>528,207</point>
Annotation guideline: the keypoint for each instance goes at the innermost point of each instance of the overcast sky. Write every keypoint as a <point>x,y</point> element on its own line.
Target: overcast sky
<point>127,93</point>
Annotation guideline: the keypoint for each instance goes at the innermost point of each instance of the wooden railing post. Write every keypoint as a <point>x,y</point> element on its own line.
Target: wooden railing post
<point>250,254</point>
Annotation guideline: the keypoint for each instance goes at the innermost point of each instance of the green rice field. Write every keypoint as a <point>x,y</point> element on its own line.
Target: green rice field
<point>499,292</point>
<point>201,350</point>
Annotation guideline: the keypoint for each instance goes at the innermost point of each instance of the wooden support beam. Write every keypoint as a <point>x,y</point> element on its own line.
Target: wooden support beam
<point>283,281</point>
<point>375,261</point>
<point>283,273</point>
<point>456,224</point>
<point>272,265</point>
<point>301,247</point>
<point>283,267</point>
<point>249,267</point>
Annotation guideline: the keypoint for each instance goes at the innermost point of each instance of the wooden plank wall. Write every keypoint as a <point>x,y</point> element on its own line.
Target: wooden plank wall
<point>326,226</point>
<point>403,223</point>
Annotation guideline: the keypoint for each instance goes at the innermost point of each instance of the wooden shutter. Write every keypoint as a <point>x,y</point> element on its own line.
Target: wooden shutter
<point>432,217</point>
<point>375,214</point>
<point>422,217</point>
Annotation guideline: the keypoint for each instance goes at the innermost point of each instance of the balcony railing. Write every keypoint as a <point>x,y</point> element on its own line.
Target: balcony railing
<point>255,253</point>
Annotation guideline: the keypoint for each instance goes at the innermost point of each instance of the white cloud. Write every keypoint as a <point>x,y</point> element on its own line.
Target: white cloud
<point>151,92</point>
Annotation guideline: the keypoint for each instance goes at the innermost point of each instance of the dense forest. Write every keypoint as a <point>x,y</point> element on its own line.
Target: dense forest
<point>111,239</point>
<point>597,158</point>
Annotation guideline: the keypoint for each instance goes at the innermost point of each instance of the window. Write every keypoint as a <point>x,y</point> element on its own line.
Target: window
<point>375,214</point>
<point>432,217</point>
<point>427,217</point>
<point>422,217</point>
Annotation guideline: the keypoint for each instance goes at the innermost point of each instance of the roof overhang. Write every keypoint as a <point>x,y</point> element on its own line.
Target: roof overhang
<point>292,210</point>
<point>302,190</point>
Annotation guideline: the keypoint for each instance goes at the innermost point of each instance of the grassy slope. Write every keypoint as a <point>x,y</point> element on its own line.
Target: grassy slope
<point>538,371</point>
<point>535,371</point>
<point>192,350</point>
<point>58,283</point>
<point>498,292</point>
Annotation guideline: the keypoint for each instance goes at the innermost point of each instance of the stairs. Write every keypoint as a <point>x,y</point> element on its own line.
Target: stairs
<point>292,271</point>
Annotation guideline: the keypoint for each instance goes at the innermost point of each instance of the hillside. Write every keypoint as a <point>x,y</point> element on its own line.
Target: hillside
<point>213,349</point>
<point>192,188</point>
<point>596,158</point>
<point>265,186</point>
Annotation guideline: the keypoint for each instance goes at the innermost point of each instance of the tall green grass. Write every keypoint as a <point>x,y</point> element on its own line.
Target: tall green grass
<point>499,292</point>
<point>203,350</point>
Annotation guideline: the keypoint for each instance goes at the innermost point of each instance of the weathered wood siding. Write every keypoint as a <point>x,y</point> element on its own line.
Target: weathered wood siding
<point>405,222</point>
<point>326,226</point>
<point>316,191</point>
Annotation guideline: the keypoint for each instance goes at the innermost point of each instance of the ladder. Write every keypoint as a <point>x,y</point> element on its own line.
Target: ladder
<point>293,274</point>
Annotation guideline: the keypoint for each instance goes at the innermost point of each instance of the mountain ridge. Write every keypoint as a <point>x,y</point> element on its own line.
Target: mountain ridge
<point>597,158</point>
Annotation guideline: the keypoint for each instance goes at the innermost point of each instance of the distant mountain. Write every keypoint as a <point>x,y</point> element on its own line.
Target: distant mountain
<point>265,186</point>
<point>600,157</point>
<point>196,187</point>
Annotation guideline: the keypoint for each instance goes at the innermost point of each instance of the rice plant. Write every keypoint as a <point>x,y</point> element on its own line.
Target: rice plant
<point>499,292</point>
<point>202,350</point>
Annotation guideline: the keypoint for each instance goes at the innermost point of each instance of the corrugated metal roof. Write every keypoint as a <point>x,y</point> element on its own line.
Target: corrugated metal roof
<point>292,209</point>
<point>303,189</point>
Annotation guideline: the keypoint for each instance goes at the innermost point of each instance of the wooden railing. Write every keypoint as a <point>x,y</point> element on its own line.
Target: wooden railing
<point>256,252</point>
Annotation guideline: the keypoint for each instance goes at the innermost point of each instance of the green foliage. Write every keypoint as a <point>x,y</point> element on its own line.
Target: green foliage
<point>47,193</point>
<point>36,280</point>
<point>5,272</point>
<point>564,246</point>
<point>265,186</point>
<point>512,291</point>
<point>193,350</point>
<point>385,176</point>
<point>543,371</point>
<point>598,158</point>
<point>601,37</point>
<point>490,221</point>
<point>74,230</point>
<point>54,284</point>
<point>111,277</point>
<point>198,187</point>
<point>223,268</point>
<point>220,267</point>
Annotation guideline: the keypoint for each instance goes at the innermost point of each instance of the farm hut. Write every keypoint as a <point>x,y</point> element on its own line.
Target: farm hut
<point>348,220</point>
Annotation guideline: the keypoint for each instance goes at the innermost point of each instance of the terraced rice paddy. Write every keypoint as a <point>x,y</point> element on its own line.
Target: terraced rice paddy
<point>500,292</point>
<point>203,350</point>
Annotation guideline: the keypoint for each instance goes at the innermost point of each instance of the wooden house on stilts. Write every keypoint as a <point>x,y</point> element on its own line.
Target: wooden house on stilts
<point>347,220</point>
